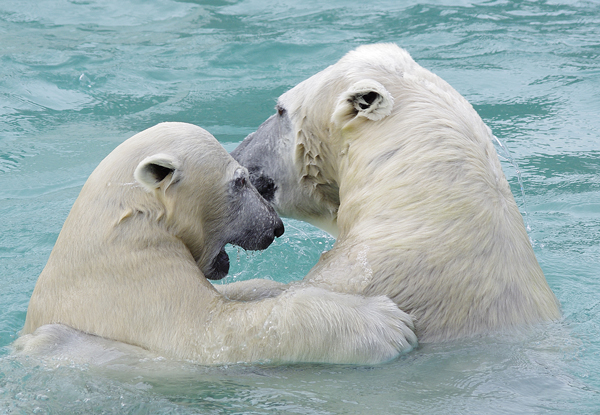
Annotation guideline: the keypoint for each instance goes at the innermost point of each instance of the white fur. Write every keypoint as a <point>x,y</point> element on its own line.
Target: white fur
<point>416,196</point>
<point>127,267</point>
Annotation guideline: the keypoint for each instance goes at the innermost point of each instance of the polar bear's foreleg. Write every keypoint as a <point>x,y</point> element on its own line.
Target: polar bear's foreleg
<point>310,324</point>
<point>251,290</point>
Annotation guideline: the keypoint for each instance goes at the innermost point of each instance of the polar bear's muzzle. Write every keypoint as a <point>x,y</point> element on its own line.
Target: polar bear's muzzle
<point>254,226</point>
<point>219,267</point>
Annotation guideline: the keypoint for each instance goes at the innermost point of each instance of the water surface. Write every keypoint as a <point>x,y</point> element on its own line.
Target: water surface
<point>79,77</point>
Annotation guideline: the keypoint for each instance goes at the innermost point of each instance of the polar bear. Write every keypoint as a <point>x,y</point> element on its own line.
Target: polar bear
<point>391,160</point>
<point>148,228</point>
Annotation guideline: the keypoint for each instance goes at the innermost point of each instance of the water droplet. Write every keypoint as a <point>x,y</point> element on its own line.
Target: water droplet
<point>85,81</point>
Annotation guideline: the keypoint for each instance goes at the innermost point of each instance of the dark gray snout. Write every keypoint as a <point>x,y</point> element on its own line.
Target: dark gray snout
<point>255,224</point>
<point>258,154</point>
<point>264,228</point>
<point>254,227</point>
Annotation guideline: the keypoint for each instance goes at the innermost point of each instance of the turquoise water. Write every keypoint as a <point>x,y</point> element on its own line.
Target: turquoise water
<point>79,77</point>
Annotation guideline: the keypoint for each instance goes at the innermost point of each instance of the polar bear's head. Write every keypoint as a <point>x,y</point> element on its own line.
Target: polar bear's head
<point>373,107</point>
<point>295,157</point>
<point>189,187</point>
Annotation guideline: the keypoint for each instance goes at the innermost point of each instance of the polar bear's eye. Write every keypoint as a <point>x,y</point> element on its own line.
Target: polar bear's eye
<point>240,182</point>
<point>240,179</point>
<point>280,110</point>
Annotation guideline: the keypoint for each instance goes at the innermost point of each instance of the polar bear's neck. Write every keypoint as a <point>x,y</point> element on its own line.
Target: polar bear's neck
<point>435,169</point>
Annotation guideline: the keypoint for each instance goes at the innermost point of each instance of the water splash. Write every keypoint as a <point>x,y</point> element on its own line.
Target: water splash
<point>300,231</point>
<point>85,81</point>
<point>365,276</point>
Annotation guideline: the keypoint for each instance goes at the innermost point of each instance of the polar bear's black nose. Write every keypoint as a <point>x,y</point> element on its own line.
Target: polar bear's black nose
<point>279,229</point>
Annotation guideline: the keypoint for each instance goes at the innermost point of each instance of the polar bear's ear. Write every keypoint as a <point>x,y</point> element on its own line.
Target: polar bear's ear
<point>366,98</point>
<point>153,170</point>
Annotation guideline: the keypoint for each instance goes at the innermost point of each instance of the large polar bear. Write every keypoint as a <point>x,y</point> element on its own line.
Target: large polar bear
<point>393,161</point>
<point>148,226</point>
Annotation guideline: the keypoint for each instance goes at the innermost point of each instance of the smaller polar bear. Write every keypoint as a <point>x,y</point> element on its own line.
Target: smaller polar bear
<point>393,161</point>
<point>148,228</point>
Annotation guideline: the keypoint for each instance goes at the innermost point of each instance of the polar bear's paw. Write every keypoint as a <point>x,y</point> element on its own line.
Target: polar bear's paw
<point>389,324</point>
<point>341,328</point>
